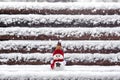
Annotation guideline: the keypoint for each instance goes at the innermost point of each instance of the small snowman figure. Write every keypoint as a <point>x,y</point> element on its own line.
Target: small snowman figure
<point>58,62</point>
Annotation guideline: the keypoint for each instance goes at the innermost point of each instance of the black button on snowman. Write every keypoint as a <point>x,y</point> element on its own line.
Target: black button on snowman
<point>58,62</point>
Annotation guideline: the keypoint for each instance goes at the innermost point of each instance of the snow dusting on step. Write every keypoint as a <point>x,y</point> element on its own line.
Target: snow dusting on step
<point>62,32</point>
<point>48,45</point>
<point>70,72</point>
<point>74,20</point>
<point>46,58</point>
<point>54,6</point>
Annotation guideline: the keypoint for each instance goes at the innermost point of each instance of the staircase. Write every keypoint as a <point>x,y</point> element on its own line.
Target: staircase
<point>90,33</point>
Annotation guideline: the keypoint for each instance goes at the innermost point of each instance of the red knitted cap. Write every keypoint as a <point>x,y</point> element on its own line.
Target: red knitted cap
<point>58,51</point>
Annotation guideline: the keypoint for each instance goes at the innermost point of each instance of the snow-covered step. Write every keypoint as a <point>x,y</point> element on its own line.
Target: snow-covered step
<point>71,59</point>
<point>24,33</point>
<point>63,8</point>
<point>60,20</point>
<point>30,72</point>
<point>27,46</point>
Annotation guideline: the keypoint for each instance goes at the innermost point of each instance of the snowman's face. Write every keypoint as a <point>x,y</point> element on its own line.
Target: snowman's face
<point>57,56</point>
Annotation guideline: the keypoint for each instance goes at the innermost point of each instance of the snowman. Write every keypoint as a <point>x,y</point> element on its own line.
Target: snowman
<point>58,62</point>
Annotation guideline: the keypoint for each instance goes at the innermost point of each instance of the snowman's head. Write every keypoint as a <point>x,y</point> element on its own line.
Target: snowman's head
<point>58,56</point>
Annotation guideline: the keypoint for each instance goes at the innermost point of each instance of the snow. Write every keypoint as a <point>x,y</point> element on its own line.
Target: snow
<point>72,20</point>
<point>20,72</point>
<point>37,68</point>
<point>48,45</point>
<point>62,32</point>
<point>47,57</point>
<point>43,72</point>
<point>54,6</point>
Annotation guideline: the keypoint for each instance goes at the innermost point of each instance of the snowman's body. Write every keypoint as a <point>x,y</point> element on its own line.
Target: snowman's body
<point>59,65</point>
<point>58,62</point>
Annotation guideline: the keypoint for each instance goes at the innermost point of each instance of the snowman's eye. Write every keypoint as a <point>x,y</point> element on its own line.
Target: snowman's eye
<point>57,55</point>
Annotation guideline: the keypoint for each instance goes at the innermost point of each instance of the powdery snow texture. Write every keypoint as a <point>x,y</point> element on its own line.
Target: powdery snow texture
<point>24,33</point>
<point>54,6</point>
<point>63,8</point>
<point>60,20</point>
<point>68,46</point>
<point>70,72</point>
<point>71,59</point>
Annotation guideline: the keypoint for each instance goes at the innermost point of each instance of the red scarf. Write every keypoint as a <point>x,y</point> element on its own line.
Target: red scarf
<point>53,63</point>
